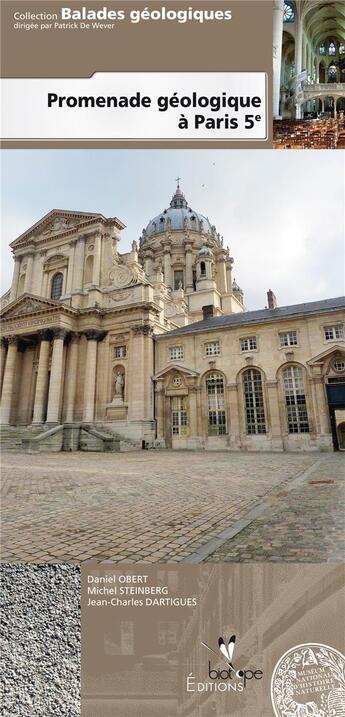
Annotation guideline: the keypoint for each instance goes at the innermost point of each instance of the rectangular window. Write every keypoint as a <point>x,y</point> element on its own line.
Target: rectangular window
<point>120,351</point>
<point>254,402</point>
<point>248,343</point>
<point>178,279</point>
<point>216,405</point>
<point>179,417</point>
<point>288,338</point>
<point>176,353</point>
<point>295,399</point>
<point>332,333</point>
<point>212,348</point>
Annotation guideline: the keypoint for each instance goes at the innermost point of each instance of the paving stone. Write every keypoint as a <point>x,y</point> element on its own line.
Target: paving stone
<point>164,507</point>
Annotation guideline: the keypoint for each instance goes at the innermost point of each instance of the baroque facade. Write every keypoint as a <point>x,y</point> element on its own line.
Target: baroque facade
<point>155,347</point>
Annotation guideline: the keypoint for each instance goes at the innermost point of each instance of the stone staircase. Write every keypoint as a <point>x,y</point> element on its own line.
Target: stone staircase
<point>11,437</point>
<point>125,444</point>
<point>92,437</point>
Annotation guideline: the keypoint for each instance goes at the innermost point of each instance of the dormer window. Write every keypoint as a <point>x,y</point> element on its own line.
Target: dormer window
<point>334,333</point>
<point>56,286</point>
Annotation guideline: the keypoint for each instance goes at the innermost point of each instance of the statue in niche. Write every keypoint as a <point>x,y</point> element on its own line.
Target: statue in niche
<point>134,246</point>
<point>119,386</point>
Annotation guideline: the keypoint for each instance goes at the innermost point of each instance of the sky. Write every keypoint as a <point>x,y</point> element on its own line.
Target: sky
<point>280,212</point>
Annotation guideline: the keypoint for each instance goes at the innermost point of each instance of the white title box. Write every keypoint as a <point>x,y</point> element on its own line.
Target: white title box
<point>200,105</point>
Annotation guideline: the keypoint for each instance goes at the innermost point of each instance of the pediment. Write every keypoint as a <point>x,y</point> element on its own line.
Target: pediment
<point>28,304</point>
<point>175,368</point>
<point>325,355</point>
<point>54,223</point>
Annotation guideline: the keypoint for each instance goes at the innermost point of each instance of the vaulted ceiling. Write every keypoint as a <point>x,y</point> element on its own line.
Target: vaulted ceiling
<point>323,20</point>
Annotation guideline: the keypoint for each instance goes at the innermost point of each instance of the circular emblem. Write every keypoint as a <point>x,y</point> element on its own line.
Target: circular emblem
<point>121,276</point>
<point>309,681</point>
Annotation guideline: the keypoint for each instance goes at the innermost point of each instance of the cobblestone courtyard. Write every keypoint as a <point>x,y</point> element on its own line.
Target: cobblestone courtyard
<point>172,507</point>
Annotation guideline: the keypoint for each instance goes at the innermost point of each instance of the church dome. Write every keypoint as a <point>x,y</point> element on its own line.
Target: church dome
<point>179,217</point>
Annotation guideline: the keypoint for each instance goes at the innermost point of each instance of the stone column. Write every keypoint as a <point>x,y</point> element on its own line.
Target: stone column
<point>93,336</point>
<point>14,286</point>
<point>189,267</point>
<point>274,424</point>
<point>304,52</point>
<point>55,383</point>
<point>97,259</point>
<point>234,428</point>
<point>159,390</point>
<point>322,412</point>
<point>298,47</point>
<point>136,409</point>
<point>278,13</point>
<point>3,351</point>
<point>167,267</point>
<point>222,282</point>
<point>193,412</point>
<point>70,267</point>
<point>335,108</point>
<point>40,401</point>
<point>8,380</point>
<point>28,273</point>
<point>148,265</point>
<point>71,377</point>
<point>229,275</point>
<point>79,257</point>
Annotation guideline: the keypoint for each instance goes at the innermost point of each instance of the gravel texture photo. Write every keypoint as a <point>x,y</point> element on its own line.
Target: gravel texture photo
<point>40,640</point>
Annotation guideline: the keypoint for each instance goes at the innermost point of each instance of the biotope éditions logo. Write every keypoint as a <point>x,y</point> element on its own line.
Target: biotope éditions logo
<point>231,679</point>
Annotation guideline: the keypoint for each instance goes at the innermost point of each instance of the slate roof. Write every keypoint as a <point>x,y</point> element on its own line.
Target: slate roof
<point>247,318</point>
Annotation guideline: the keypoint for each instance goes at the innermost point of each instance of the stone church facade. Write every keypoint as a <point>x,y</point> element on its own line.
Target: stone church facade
<point>104,350</point>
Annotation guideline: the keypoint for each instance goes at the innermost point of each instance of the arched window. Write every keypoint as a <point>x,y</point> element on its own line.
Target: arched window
<point>289,12</point>
<point>322,49</point>
<point>202,268</point>
<point>254,402</point>
<point>295,400</point>
<point>56,287</point>
<point>332,50</point>
<point>216,404</point>
<point>342,49</point>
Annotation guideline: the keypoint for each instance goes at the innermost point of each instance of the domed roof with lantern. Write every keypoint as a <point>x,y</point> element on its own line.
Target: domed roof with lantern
<point>179,217</point>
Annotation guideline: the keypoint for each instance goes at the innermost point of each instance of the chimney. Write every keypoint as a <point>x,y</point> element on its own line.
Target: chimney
<point>271,299</point>
<point>207,312</point>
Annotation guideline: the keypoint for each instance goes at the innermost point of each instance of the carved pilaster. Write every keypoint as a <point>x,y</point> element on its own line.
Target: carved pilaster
<point>143,330</point>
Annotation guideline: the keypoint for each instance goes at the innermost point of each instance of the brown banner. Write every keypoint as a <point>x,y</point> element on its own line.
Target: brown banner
<point>242,44</point>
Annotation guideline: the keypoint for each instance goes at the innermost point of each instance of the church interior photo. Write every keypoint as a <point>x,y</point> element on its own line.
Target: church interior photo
<point>309,74</point>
